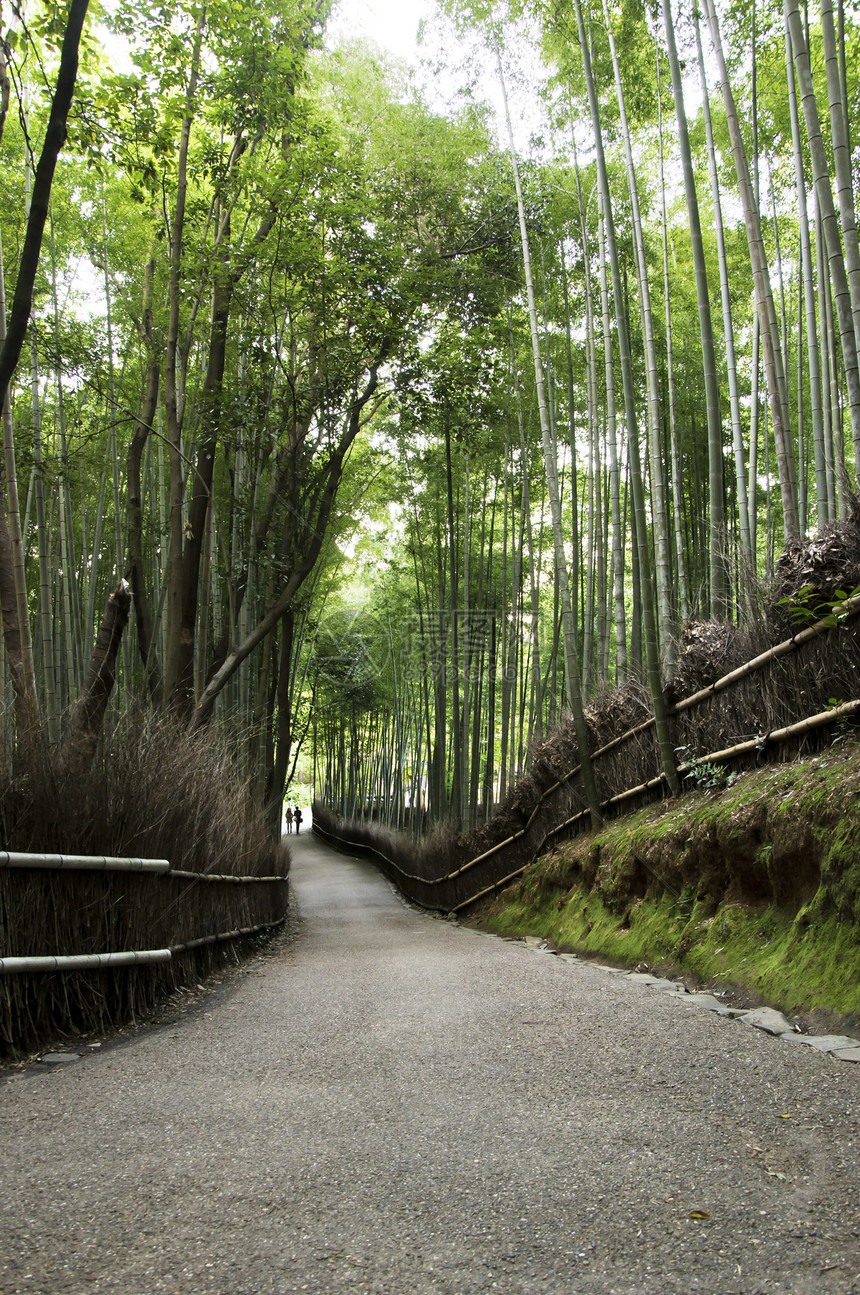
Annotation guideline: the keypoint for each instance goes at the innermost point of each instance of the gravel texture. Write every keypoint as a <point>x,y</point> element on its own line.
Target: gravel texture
<point>390,1103</point>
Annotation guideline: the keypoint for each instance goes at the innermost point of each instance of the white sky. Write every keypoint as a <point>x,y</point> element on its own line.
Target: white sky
<point>458,62</point>
<point>392,24</point>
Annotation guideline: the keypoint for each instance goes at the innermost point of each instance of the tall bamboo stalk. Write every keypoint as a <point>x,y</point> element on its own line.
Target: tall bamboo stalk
<point>728,326</point>
<point>571,656</point>
<point>842,296</point>
<point>641,562</point>
<point>842,158</point>
<point>816,411</point>
<point>716,511</point>
<point>774,366</point>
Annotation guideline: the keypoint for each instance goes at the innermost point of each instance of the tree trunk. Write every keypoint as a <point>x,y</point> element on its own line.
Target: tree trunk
<point>55,137</point>
<point>135,565</point>
<point>85,721</point>
<point>574,693</point>
<point>15,624</point>
<point>774,367</point>
<point>173,400</point>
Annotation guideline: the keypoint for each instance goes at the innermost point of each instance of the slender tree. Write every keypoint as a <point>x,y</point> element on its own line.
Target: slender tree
<point>571,657</point>
<point>774,366</point>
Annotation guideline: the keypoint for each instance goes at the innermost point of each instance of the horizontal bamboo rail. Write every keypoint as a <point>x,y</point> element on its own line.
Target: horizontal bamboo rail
<point>128,958</point>
<point>239,934</point>
<point>848,609</point>
<point>84,961</point>
<point>81,862</point>
<point>488,890</point>
<point>222,876</point>
<point>103,863</point>
<point>822,719</point>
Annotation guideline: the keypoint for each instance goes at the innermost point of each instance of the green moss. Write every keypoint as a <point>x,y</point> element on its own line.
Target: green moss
<point>840,870</point>
<point>798,965</point>
<point>768,874</point>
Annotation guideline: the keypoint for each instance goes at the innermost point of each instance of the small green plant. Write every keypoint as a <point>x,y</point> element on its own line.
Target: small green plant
<point>831,613</point>
<point>842,727</point>
<point>705,773</point>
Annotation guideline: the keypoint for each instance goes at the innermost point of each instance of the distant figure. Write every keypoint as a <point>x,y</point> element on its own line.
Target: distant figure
<point>298,819</point>
<point>289,818</point>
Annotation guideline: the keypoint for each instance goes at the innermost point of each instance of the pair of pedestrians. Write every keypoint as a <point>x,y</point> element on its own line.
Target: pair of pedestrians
<point>294,816</point>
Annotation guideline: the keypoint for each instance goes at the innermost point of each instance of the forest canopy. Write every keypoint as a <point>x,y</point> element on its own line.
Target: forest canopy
<point>398,428</point>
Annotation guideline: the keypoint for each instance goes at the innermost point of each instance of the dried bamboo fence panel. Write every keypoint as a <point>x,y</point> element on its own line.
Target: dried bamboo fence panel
<point>749,715</point>
<point>53,913</point>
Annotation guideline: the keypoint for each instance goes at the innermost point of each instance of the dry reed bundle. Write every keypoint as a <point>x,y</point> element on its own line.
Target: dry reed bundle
<point>157,792</point>
<point>812,572</point>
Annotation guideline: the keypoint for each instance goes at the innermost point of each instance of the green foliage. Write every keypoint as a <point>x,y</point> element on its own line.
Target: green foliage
<point>705,773</point>
<point>831,612</point>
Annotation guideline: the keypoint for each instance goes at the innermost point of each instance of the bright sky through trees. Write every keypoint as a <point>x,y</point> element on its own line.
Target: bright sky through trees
<point>392,24</point>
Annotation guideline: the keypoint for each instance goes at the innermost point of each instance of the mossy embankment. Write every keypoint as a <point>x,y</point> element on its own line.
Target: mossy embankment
<point>754,887</point>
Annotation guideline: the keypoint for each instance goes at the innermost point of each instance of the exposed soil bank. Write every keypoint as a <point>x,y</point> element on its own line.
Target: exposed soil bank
<point>752,887</point>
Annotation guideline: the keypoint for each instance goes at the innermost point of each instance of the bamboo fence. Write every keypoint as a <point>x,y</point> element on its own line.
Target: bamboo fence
<point>456,889</point>
<point>125,932</point>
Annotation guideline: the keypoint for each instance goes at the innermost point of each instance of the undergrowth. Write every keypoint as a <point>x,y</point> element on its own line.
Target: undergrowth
<point>753,886</point>
<point>154,791</point>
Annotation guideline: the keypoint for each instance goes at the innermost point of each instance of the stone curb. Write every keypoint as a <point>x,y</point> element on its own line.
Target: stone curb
<point>767,1019</point>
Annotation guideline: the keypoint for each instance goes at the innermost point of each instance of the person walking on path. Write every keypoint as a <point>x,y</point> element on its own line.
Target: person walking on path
<point>298,819</point>
<point>289,818</point>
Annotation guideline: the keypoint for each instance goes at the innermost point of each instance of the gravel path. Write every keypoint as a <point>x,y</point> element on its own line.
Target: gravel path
<point>389,1103</point>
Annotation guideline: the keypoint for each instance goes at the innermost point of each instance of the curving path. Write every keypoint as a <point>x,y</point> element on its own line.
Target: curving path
<point>391,1104</point>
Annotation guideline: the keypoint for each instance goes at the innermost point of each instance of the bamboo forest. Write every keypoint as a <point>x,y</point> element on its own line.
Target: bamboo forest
<point>371,421</point>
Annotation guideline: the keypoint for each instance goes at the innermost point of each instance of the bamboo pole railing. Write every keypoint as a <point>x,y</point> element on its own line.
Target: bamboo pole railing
<point>124,958</point>
<point>222,876</point>
<point>848,609</point>
<point>84,961</point>
<point>104,863</point>
<point>239,934</point>
<point>847,710</point>
<point>81,862</point>
<point>127,958</point>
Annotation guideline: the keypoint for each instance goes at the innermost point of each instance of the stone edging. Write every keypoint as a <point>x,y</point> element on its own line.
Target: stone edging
<point>841,1046</point>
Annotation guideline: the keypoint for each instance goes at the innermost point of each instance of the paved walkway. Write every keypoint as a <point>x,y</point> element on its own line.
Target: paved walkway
<point>388,1103</point>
